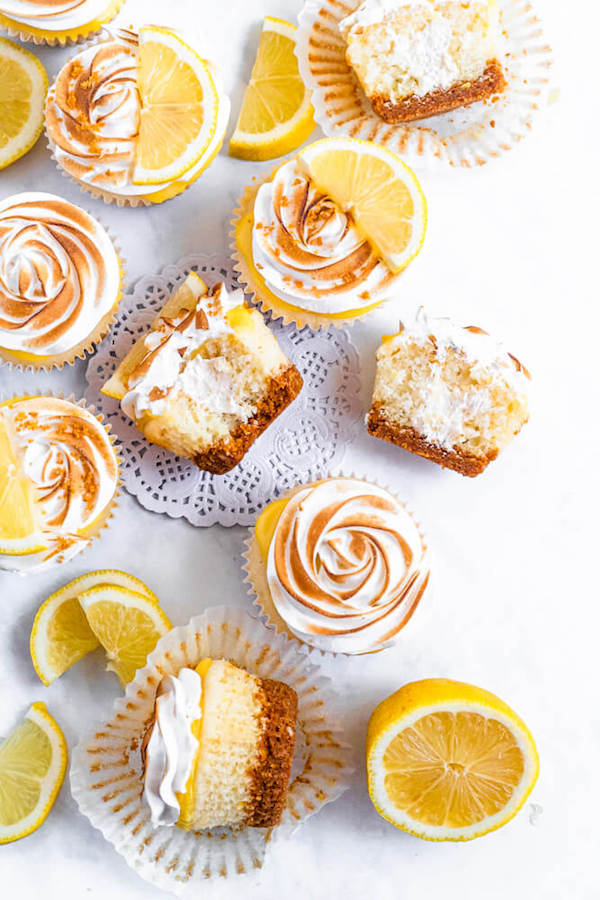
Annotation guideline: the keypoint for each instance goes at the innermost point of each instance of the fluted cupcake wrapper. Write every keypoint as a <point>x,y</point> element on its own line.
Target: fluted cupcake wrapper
<point>66,38</point>
<point>106,771</point>
<point>104,519</point>
<point>465,137</point>
<point>257,586</point>
<point>84,348</point>
<point>265,299</point>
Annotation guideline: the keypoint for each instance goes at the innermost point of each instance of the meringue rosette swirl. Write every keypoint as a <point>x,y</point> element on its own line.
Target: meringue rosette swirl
<point>347,566</point>
<point>60,275</point>
<point>308,250</point>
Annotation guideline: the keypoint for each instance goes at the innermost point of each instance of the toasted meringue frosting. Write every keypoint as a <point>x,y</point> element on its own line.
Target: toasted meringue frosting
<point>93,117</point>
<point>59,274</point>
<point>67,455</point>
<point>309,251</point>
<point>346,566</point>
<point>172,744</point>
<point>54,15</point>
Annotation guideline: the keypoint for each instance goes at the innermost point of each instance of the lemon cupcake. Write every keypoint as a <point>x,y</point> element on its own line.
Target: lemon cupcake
<point>339,564</point>
<point>58,481</point>
<point>56,22</point>
<point>137,117</point>
<point>324,239</point>
<point>60,281</point>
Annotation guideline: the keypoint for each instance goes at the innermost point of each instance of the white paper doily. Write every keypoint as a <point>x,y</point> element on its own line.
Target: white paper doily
<point>307,440</point>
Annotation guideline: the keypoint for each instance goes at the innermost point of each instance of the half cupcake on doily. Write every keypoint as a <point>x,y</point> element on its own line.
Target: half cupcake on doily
<point>136,117</point>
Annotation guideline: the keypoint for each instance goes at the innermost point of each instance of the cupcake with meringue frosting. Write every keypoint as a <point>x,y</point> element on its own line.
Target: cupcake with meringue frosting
<point>56,22</point>
<point>302,257</point>
<point>60,281</point>
<point>339,564</point>
<point>99,109</point>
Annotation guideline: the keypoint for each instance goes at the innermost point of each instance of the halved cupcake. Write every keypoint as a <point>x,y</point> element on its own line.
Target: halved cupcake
<point>208,378</point>
<point>219,749</point>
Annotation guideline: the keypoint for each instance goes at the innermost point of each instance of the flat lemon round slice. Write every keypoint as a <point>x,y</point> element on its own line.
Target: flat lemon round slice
<point>23,87</point>
<point>61,634</point>
<point>276,115</point>
<point>126,623</point>
<point>33,759</point>
<point>19,534</point>
<point>448,761</point>
<point>180,105</point>
<point>379,191</point>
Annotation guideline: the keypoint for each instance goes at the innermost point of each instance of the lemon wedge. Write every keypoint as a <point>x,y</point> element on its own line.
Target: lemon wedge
<point>377,189</point>
<point>61,634</point>
<point>448,761</point>
<point>23,87</point>
<point>18,531</point>
<point>180,105</point>
<point>276,115</point>
<point>126,623</point>
<point>33,759</point>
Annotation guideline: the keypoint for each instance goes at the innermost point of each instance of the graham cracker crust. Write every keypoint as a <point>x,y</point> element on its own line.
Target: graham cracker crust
<point>271,774</point>
<point>224,456</point>
<point>411,440</point>
<point>442,100</point>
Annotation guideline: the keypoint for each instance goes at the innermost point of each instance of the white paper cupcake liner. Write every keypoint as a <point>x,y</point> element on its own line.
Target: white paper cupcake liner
<point>466,137</point>
<point>255,579</point>
<point>106,768</point>
<point>107,517</point>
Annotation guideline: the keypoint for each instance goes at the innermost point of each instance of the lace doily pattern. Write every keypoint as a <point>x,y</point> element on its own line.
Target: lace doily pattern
<point>306,441</point>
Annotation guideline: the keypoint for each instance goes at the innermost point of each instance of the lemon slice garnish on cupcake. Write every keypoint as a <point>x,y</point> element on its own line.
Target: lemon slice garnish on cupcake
<point>61,634</point>
<point>448,761</point>
<point>33,759</point>
<point>23,87</point>
<point>19,534</point>
<point>276,115</point>
<point>179,106</point>
<point>379,191</point>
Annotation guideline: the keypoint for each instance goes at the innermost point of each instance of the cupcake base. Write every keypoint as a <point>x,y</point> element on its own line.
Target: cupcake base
<point>30,34</point>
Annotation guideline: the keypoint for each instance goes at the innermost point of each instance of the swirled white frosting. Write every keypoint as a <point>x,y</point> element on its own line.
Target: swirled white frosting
<point>93,117</point>
<point>172,745</point>
<point>66,454</point>
<point>59,274</point>
<point>346,566</point>
<point>309,251</point>
<point>54,15</point>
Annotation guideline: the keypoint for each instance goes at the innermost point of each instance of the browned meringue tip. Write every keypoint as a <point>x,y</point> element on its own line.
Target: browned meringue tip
<point>256,293</point>
<point>65,38</point>
<point>108,513</point>
<point>257,587</point>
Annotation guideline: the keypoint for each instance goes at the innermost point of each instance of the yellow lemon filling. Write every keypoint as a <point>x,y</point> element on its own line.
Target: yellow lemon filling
<point>187,800</point>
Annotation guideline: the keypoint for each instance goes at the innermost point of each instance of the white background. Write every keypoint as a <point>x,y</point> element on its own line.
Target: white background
<point>513,247</point>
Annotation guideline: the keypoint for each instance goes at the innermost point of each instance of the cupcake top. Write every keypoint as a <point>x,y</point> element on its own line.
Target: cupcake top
<point>93,116</point>
<point>67,472</point>
<point>59,274</point>
<point>310,253</point>
<point>54,15</point>
<point>346,566</point>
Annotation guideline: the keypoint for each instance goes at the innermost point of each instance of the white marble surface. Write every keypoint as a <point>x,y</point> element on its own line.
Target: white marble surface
<point>513,247</point>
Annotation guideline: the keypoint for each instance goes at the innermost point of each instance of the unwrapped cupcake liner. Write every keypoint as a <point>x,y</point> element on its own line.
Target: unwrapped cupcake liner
<point>106,770</point>
<point>105,518</point>
<point>20,31</point>
<point>469,136</point>
<point>269,303</point>
<point>257,586</point>
<point>86,348</point>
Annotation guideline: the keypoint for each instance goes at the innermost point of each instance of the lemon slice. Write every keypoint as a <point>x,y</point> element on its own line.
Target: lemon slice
<point>180,106</point>
<point>448,761</point>
<point>379,191</point>
<point>23,86</point>
<point>61,635</point>
<point>33,759</point>
<point>276,115</point>
<point>18,530</point>
<point>126,623</point>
